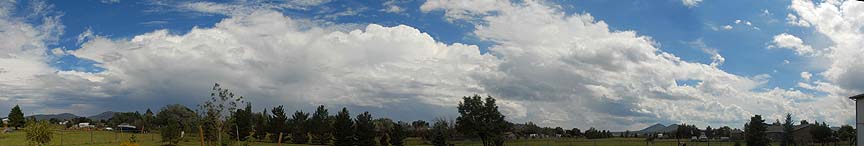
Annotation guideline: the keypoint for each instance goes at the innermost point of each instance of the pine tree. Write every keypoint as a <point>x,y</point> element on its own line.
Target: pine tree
<point>754,132</point>
<point>241,123</point>
<point>261,128</point>
<point>365,130</point>
<point>398,134</point>
<point>321,127</point>
<point>440,133</point>
<point>344,131</point>
<point>298,132</point>
<point>788,138</point>
<point>16,117</point>
<point>278,123</point>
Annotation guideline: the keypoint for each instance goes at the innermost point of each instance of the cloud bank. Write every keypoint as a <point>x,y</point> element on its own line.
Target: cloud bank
<point>545,66</point>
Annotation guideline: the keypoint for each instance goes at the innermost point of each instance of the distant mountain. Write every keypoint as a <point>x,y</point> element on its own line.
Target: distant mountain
<point>653,128</point>
<point>63,116</point>
<point>670,128</point>
<point>102,116</point>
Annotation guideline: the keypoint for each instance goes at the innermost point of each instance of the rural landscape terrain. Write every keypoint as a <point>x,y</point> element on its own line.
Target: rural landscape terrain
<point>431,72</point>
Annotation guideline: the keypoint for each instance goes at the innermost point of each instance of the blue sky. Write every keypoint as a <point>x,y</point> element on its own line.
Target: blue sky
<point>729,44</point>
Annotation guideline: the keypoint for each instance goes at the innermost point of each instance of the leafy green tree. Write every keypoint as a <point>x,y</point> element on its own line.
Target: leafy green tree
<point>364,130</point>
<point>320,126</point>
<point>575,132</point>
<point>299,135</point>
<point>788,128</point>
<point>38,133</point>
<point>709,132</point>
<point>175,119</point>
<point>847,133</point>
<point>344,130</point>
<point>278,124</point>
<point>821,133</point>
<point>261,125</point>
<point>419,128</point>
<point>481,119</point>
<point>215,111</point>
<point>398,134</point>
<point>16,117</point>
<point>754,132</point>
<point>240,126</point>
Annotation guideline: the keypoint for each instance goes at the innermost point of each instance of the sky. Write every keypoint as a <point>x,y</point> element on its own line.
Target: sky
<point>619,65</point>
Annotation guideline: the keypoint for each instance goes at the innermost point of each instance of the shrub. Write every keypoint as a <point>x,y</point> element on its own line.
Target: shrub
<point>38,133</point>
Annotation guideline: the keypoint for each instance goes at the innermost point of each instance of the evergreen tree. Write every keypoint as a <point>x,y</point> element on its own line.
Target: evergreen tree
<point>320,126</point>
<point>241,123</point>
<point>754,132</point>
<point>788,128</point>
<point>364,130</point>
<point>440,133</point>
<point>261,121</point>
<point>344,131</point>
<point>16,117</point>
<point>481,119</point>
<point>278,124</point>
<point>398,134</point>
<point>298,132</point>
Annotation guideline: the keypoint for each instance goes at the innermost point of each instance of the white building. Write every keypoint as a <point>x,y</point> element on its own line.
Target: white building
<point>859,118</point>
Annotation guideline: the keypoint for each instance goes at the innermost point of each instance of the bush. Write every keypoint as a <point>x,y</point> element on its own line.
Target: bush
<point>38,133</point>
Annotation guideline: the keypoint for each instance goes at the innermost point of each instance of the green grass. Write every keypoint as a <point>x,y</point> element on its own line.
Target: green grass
<point>107,138</point>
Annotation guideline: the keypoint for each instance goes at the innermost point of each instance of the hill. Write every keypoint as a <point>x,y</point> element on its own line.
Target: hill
<point>102,116</point>
<point>653,128</point>
<point>63,116</point>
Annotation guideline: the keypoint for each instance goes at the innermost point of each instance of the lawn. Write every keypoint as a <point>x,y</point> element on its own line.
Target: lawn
<point>107,138</point>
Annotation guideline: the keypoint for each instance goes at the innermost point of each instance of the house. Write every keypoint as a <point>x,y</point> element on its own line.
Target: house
<point>859,118</point>
<point>801,133</point>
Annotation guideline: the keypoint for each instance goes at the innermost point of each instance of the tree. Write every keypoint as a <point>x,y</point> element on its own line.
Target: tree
<point>344,131</point>
<point>709,132</point>
<point>278,124</point>
<point>215,111</point>
<point>804,122</point>
<point>175,119</point>
<point>788,128</point>
<point>821,133</point>
<point>261,121</point>
<point>298,130</point>
<point>16,117</point>
<point>147,121</point>
<point>364,130</point>
<point>440,132</point>
<point>754,132</point>
<point>240,126</point>
<point>847,133</point>
<point>38,133</point>
<point>481,119</point>
<point>419,128</point>
<point>320,126</point>
<point>398,134</point>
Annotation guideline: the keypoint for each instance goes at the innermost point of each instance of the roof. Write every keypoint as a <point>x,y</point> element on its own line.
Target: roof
<point>856,97</point>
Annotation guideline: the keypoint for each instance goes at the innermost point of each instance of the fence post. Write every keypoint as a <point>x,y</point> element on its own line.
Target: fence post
<point>91,136</point>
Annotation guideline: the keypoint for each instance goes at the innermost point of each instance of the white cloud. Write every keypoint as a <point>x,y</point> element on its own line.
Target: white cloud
<point>691,3</point>
<point>842,23</point>
<point>806,75</point>
<point>785,40</point>
<point>793,20</point>
<point>727,27</point>
<point>392,7</point>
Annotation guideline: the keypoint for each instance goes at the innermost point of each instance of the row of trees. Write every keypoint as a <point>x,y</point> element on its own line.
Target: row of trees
<point>755,132</point>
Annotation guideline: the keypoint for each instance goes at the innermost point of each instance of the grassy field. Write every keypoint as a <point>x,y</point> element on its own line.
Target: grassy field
<point>107,138</point>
